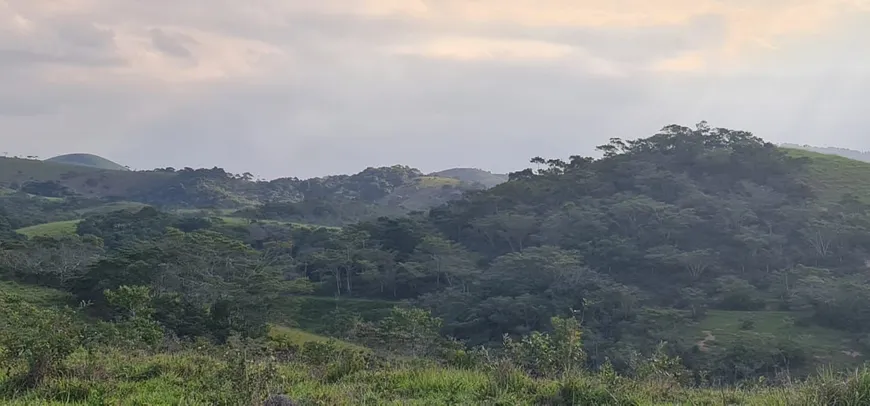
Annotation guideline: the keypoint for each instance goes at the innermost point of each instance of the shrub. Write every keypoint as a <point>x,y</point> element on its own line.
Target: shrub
<point>40,337</point>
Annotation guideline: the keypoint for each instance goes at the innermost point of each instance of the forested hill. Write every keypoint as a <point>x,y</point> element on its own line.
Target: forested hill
<point>331,200</point>
<point>704,243</point>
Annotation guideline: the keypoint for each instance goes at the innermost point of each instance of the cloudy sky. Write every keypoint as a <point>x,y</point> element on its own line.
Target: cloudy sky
<point>305,87</point>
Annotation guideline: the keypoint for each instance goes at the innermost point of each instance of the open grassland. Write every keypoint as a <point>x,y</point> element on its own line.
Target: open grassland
<point>832,176</point>
<point>828,346</point>
<point>241,221</point>
<point>34,294</point>
<point>113,206</point>
<point>299,337</point>
<point>315,313</point>
<point>54,229</point>
<point>436,181</point>
<point>68,227</point>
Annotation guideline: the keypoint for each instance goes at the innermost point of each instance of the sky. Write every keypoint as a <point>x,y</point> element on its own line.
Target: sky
<point>309,88</point>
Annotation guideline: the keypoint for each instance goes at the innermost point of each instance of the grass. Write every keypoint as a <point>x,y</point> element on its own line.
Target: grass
<point>68,227</point>
<point>313,313</point>
<point>111,207</point>
<point>436,181</point>
<point>114,377</point>
<point>829,346</point>
<point>202,374</point>
<point>242,221</point>
<point>35,294</point>
<point>300,337</point>
<point>53,229</point>
<point>832,176</point>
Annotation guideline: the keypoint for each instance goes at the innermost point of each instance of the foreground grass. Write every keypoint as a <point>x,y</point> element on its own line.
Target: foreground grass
<point>114,377</point>
<point>203,374</point>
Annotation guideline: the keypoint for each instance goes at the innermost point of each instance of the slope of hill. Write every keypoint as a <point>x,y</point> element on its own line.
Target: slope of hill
<point>473,175</point>
<point>77,180</point>
<point>88,160</point>
<point>843,152</point>
<point>832,176</point>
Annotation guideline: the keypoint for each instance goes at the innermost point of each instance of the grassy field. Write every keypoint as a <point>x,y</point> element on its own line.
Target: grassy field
<point>240,221</point>
<point>436,181</point>
<point>110,207</point>
<point>35,294</point>
<point>313,313</point>
<point>300,337</point>
<point>135,378</point>
<point>68,227</point>
<point>831,176</point>
<point>56,228</point>
<point>199,373</point>
<point>829,346</point>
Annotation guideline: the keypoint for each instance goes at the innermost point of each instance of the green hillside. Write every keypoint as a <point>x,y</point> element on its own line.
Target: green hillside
<point>693,266</point>
<point>78,180</point>
<point>87,160</point>
<point>473,175</point>
<point>832,176</point>
<point>340,199</point>
<point>53,229</point>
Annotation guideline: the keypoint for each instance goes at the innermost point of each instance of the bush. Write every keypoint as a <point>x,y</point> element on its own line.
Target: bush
<point>41,338</point>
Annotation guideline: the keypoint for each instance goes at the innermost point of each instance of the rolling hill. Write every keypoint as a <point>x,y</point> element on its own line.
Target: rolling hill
<point>473,175</point>
<point>843,152</point>
<point>370,193</point>
<point>832,176</point>
<point>88,160</point>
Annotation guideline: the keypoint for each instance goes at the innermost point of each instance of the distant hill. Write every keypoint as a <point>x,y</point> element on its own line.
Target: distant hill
<point>330,200</point>
<point>843,152</point>
<point>473,175</point>
<point>833,175</point>
<point>89,160</point>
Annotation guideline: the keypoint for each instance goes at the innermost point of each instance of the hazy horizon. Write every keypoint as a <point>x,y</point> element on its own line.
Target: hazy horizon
<point>299,88</point>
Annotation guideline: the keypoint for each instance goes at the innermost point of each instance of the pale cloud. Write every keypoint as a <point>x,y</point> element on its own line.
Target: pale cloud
<point>300,87</point>
<point>471,48</point>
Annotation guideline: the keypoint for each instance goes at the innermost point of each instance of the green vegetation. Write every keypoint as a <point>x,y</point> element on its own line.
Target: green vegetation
<point>332,200</point>
<point>53,229</point>
<point>833,176</point>
<point>436,181</point>
<point>696,266</point>
<point>88,160</point>
<point>472,175</point>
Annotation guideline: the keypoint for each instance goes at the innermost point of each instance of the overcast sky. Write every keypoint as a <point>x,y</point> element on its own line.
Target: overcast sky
<point>305,88</point>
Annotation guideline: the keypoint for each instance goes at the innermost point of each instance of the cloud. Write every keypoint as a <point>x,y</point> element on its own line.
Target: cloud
<point>300,88</point>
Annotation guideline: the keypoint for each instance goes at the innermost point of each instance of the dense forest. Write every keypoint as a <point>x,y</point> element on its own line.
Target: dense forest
<point>696,263</point>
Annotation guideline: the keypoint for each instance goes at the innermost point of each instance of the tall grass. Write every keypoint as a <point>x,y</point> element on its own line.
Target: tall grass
<point>210,376</point>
